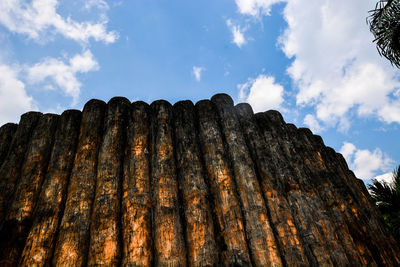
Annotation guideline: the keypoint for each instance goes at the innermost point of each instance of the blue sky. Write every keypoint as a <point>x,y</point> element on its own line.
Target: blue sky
<point>313,60</point>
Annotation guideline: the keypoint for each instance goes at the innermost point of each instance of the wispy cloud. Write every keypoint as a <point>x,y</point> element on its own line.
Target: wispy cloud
<point>52,71</point>
<point>38,19</point>
<point>101,4</point>
<point>335,66</point>
<point>262,93</point>
<point>255,7</point>
<point>41,21</point>
<point>13,98</point>
<point>237,33</point>
<point>196,71</point>
<point>313,123</point>
<point>365,163</point>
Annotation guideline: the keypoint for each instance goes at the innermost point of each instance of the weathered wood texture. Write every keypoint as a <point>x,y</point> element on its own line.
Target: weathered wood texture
<point>105,229</point>
<point>20,214</point>
<point>39,244</point>
<point>136,193</point>
<point>6,134</point>
<point>210,184</point>
<point>10,169</point>
<point>200,237</point>
<point>72,243</point>
<point>169,246</point>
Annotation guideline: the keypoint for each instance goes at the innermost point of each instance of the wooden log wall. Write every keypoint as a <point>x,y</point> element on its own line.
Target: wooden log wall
<point>210,184</point>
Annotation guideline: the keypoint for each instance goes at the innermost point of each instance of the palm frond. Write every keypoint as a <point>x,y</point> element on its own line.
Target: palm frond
<point>387,198</point>
<point>396,180</point>
<point>381,191</point>
<point>384,23</point>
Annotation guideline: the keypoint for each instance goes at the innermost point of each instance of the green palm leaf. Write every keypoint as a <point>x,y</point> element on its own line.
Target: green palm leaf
<point>387,198</point>
<point>384,22</point>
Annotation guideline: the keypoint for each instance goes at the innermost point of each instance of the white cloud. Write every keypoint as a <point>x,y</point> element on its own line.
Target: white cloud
<point>101,4</point>
<point>255,7</point>
<point>196,71</point>
<point>39,19</point>
<point>335,66</point>
<point>13,98</point>
<point>262,93</point>
<point>54,71</point>
<point>237,33</point>
<point>386,177</point>
<point>365,164</point>
<point>312,123</point>
<point>347,150</point>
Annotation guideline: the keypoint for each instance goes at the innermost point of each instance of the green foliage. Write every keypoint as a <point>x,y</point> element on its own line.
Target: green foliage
<point>387,198</point>
<point>384,23</point>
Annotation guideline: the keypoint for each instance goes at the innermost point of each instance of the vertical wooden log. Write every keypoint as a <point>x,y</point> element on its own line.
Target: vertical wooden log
<point>200,239</point>
<point>318,232</point>
<point>10,170</point>
<point>261,240</point>
<point>362,217</point>
<point>322,178</point>
<point>287,177</point>
<point>20,215</point>
<point>377,237</point>
<point>226,203</point>
<point>40,242</point>
<point>273,189</point>
<point>105,228</point>
<point>168,239</point>
<point>136,194</point>
<point>6,134</point>
<point>73,238</point>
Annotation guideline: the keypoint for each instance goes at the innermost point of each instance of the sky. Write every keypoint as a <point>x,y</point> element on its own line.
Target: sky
<point>313,60</point>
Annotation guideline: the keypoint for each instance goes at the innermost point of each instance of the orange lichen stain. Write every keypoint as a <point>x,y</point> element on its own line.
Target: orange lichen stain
<point>110,248</point>
<point>342,207</point>
<point>164,151</point>
<point>324,226</point>
<point>262,217</point>
<point>68,254</point>
<point>206,149</point>
<point>139,145</point>
<point>165,195</point>
<point>85,148</point>
<point>355,212</point>
<point>83,205</point>
<point>293,230</point>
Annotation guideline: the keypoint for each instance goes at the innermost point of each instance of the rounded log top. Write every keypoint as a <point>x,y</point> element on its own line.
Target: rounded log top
<point>307,132</point>
<point>184,104</point>
<point>50,115</point>
<point>204,102</point>
<point>9,125</point>
<point>222,99</point>
<point>71,112</point>
<point>244,110</point>
<point>140,104</point>
<point>275,116</point>
<point>94,104</point>
<point>119,100</point>
<point>205,106</point>
<point>291,127</point>
<point>31,114</point>
<point>160,103</point>
<point>318,139</point>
